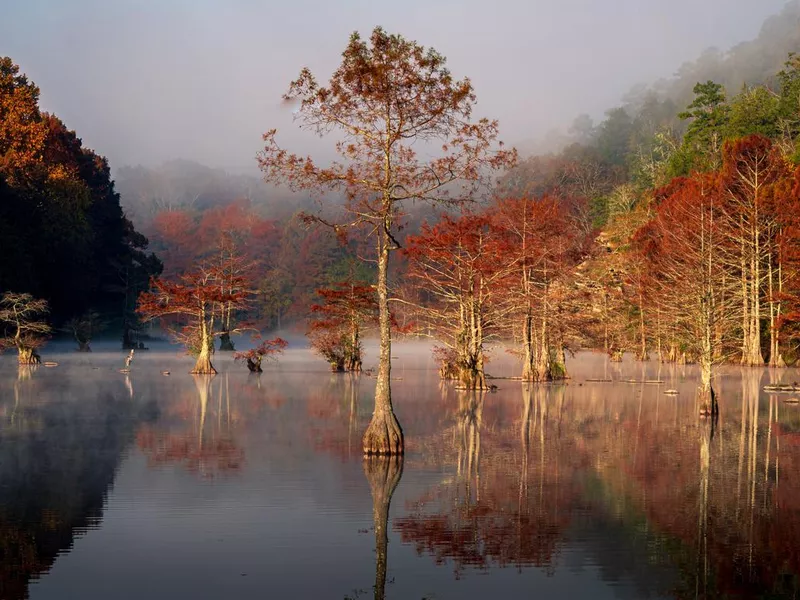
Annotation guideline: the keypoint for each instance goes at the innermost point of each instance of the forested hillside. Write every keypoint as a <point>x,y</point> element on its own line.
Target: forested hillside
<point>63,234</point>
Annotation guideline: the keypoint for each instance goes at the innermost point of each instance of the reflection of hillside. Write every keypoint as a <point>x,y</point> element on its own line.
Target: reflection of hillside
<point>718,503</point>
<point>58,459</point>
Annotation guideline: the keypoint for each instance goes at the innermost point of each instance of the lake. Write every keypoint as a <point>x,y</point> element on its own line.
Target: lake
<point>241,486</point>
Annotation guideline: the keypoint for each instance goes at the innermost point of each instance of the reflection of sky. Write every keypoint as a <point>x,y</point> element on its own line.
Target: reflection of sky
<point>147,80</point>
<point>290,521</point>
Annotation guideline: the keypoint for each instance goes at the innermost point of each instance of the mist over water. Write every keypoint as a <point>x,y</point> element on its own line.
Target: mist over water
<point>164,486</point>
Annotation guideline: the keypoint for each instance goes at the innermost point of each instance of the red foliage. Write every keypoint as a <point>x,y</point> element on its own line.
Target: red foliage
<point>267,349</point>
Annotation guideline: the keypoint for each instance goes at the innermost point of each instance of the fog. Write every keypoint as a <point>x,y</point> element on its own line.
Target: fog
<point>147,81</point>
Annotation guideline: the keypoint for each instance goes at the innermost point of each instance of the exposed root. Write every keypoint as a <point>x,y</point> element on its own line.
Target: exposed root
<point>384,435</point>
<point>203,366</point>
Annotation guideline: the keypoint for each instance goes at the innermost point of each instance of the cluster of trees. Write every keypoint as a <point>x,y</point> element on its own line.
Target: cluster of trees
<point>63,235</point>
<point>506,272</point>
<point>202,304</point>
<point>287,262</point>
<point>696,211</point>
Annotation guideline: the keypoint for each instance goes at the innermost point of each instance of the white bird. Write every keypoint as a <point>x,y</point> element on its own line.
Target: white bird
<point>129,359</point>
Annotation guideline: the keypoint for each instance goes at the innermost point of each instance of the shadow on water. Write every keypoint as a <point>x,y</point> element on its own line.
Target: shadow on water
<point>58,459</point>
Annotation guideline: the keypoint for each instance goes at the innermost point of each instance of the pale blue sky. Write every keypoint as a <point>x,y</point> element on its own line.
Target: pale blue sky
<point>147,80</point>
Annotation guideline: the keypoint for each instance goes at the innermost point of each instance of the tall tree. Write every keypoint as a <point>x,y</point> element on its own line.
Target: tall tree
<point>457,265</point>
<point>391,103</point>
<point>541,247</point>
<point>684,247</point>
<point>751,169</point>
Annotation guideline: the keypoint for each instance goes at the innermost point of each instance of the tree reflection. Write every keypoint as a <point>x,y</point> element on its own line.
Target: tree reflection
<point>711,506</point>
<point>200,444</point>
<point>485,515</point>
<point>383,474</point>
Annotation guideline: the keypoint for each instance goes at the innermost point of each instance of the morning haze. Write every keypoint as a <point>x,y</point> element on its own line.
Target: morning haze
<point>149,81</point>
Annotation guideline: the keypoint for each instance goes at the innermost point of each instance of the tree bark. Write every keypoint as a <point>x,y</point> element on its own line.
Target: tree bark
<point>383,435</point>
<point>528,365</point>
<point>203,365</point>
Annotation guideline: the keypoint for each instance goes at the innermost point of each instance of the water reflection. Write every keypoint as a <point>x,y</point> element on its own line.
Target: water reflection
<point>229,486</point>
<point>196,431</point>
<point>641,464</point>
<point>383,474</point>
<point>57,463</point>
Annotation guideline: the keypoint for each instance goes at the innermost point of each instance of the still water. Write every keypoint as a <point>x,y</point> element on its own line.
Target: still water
<point>238,486</point>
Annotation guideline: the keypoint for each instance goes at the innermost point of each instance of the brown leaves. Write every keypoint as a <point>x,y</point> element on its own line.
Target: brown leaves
<point>387,96</point>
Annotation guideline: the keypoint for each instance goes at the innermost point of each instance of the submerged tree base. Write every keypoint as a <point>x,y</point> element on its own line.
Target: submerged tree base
<point>707,399</point>
<point>29,356</point>
<point>384,435</point>
<point>203,366</point>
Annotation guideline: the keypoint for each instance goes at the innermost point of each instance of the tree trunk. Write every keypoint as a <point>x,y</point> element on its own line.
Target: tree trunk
<point>225,343</point>
<point>528,365</point>
<point>28,356</point>
<point>83,346</point>
<point>383,474</point>
<point>254,364</point>
<point>705,393</point>
<point>354,359</point>
<point>542,366</point>
<point>203,365</point>
<point>558,366</point>
<point>642,354</point>
<point>383,435</point>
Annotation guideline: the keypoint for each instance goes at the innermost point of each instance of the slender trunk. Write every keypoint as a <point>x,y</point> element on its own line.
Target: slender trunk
<point>354,360</point>
<point>383,435</point>
<point>542,372</point>
<point>754,357</point>
<point>745,297</point>
<point>642,337</point>
<point>528,366</point>
<point>705,393</point>
<point>658,335</point>
<point>781,363</point>
<point>773,337</point>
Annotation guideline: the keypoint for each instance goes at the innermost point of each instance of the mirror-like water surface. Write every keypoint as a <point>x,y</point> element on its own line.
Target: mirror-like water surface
<point>237,486</point>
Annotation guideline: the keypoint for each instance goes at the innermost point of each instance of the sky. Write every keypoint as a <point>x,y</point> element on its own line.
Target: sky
<point>144,81</point>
